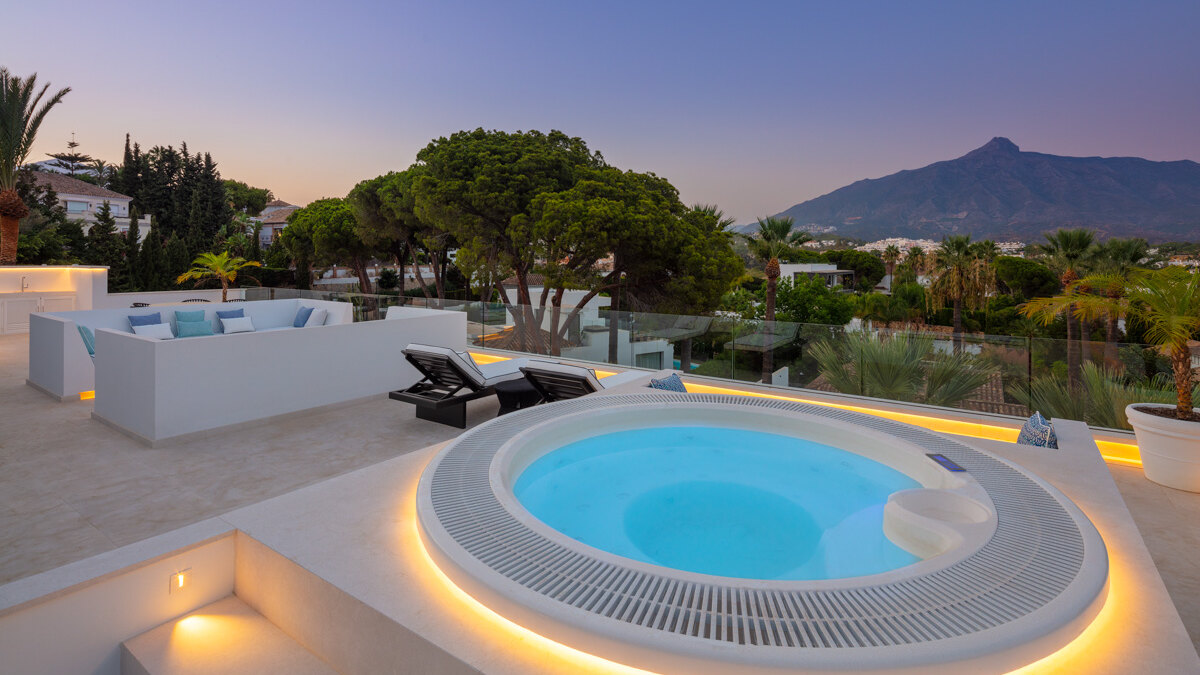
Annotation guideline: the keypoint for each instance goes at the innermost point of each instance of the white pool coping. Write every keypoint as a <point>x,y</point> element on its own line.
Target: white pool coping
<point>1014,569</point>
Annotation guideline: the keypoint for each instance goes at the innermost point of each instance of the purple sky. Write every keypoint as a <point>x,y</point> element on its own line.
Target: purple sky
<point>752,106</point>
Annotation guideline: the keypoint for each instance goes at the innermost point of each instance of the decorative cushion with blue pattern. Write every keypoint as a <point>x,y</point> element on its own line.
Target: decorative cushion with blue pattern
<point>197,315</point>
<point>672,383</point>
<point>1039,432</point>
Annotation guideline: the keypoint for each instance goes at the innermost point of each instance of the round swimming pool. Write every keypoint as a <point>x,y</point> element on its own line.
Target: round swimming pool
<point>704,533</point>
<point>721,501</point>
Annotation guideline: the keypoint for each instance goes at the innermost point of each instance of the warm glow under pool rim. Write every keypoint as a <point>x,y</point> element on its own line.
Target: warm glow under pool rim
<point>1027,589</point>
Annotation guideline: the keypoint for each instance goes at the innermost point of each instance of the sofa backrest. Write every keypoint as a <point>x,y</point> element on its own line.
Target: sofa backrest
<point>263,313</point>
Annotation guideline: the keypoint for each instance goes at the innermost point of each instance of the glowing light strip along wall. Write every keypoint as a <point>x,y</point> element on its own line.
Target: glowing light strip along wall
<point>1114,452</point>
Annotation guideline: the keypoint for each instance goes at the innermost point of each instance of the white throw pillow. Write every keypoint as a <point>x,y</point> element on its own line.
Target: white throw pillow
<point>317,318</point>
<point>158,331</point>
<point>240,324</point>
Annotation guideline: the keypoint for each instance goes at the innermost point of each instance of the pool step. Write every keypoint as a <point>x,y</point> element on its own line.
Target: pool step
<point>225,638</point>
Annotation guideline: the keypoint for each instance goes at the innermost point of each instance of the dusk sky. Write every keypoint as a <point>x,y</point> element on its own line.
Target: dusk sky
<point>751,106</point>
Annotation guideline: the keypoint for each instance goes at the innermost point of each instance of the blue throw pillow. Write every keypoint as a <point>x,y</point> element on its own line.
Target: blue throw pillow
<point>89,340</point>
<point>197,315</point>
<point>672,383</point>
<point>302,317</point>
<point>1039,432</point>
<point>193,328</point>
<point>229,314</point>
<point>144,320</point>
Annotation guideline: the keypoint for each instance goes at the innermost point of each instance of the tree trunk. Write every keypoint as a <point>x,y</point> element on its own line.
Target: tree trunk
<point>555,316</point>
<point>1111,357</point>
<point>12,210</point>
<point>417,271</point>
<point>1072,348</point>
<point>958,326</point>
<point>9,231</point>
<point>224,289</point>
<point>614,319</point>
<point>1181,364</point>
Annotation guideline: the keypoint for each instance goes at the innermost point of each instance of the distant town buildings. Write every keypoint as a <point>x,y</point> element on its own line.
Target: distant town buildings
<point>1012,248</point>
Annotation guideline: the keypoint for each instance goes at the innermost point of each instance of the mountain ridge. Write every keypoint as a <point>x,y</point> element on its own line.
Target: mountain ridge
<point>999,191</point>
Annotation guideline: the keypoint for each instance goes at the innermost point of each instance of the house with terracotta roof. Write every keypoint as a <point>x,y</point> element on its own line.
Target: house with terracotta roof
<point>82,201</point>
<point>274,219</point>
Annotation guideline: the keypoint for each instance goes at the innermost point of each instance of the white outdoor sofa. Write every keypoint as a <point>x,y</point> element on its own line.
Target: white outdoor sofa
<point>155,390</point>
<point>59,363</point>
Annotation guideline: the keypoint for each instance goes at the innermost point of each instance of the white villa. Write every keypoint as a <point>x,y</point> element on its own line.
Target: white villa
<point>83,200</point>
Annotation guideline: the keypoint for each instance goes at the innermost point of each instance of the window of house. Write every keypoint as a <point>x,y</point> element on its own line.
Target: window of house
<point>652,360</point>
<point>76,207</point>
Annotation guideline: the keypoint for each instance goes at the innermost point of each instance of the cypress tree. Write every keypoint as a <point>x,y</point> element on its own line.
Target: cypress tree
<point>127,278</point>
<point>151,263</point>
<point>104,247</point>
<point>175,258</point>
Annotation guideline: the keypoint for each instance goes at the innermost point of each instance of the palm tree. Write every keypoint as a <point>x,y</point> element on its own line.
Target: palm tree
<point>217,266</point>
<point>20,117</point>
<point>1068,252</point>
<point>915,258</point>
<point>1118,258</point>
<point>960,277</point>
<point>890,256</point>
<point>774,240</point>
<point>1167,301</point>
<point>901,367</point>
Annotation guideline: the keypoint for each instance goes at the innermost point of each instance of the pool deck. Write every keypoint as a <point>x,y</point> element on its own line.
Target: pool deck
<point>71,488</point>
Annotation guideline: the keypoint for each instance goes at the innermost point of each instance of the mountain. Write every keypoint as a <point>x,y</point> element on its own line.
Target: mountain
<point>1001,192</point>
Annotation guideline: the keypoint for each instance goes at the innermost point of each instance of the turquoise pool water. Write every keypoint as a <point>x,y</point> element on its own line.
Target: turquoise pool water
<point>720,501</point>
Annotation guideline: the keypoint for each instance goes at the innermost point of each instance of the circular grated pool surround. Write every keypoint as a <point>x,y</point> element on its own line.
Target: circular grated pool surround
<point>1032,584</point>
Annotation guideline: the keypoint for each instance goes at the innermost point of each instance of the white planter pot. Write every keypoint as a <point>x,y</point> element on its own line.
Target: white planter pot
<point>1170,447</point>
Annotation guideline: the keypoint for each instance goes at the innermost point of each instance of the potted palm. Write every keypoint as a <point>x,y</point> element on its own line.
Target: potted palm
<point>1167,303</point>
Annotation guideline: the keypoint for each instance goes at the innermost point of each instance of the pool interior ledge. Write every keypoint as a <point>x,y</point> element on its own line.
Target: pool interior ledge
<point>340,569</point>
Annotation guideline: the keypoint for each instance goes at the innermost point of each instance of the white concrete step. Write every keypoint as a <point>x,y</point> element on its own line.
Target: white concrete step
<point>224,638</point>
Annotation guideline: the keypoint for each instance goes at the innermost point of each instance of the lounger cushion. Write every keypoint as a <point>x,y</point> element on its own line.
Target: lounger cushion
<point>585,374</point>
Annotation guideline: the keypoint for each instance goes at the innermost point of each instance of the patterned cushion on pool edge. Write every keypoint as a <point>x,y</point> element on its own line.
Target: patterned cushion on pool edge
<point>1039,432</point>
<point>672,383</point>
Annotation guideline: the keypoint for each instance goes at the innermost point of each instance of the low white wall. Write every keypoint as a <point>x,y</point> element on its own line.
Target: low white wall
<point>162,389</point>
<point>124,300</point>
<point>59,363</point>
<point>74,618</point>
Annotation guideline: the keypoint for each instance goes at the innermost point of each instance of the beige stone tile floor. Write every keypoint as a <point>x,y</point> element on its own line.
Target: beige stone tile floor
<point>71,487</point>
